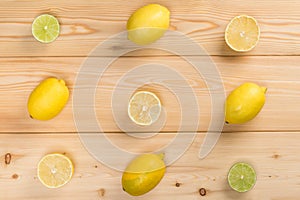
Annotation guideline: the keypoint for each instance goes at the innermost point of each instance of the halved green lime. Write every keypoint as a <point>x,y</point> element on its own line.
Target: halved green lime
<point>241,177</point>
<point>45,28</point>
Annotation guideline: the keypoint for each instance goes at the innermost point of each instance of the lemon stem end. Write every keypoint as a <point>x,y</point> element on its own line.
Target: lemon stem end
<point>264,89</point>
<point>161,155</point>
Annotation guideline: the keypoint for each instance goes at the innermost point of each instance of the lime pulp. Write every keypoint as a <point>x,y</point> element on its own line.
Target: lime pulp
<point>45,28</point>
<point>241,177</point>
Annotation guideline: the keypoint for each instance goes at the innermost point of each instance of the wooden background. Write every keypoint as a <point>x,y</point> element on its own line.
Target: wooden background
<point>270,142</point>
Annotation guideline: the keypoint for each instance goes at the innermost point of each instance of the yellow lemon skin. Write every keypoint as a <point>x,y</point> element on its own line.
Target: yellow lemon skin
<point>148,24</point>
<point>143,174</point>
<point>48,99</point>
<point>244,103</point>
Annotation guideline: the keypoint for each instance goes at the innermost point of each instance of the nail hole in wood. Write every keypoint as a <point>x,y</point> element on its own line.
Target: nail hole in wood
<point>177,184</point>
<point>15,176</point>
<point>101,192</point>
<point>202,191</point>
<point>276,156</point>
<point>7,158</point>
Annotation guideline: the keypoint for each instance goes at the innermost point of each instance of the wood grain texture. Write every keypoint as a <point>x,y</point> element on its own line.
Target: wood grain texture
<point>85,25</point>
<point>273,155</point>
<point>280,75</point>
<point>270,142</point>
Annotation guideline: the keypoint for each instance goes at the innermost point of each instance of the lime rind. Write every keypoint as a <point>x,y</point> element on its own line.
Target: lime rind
<point>241,177</point>
<point>45,28</point>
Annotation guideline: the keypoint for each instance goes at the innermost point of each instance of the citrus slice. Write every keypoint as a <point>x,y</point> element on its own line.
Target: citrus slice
<point>55,170</point>
<point>144,108</point>
<point>241,177</point>
<point>45,28</point>
<point>242,33</point>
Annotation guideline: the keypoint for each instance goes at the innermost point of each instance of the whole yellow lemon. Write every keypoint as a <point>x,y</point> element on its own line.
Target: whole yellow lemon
<point>244,103</point>
<point>148,24</point>
<point>48,99</point>
<point>143,174</point>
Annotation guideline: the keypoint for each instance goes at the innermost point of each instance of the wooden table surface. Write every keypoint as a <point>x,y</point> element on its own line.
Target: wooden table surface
<point>271,142</point>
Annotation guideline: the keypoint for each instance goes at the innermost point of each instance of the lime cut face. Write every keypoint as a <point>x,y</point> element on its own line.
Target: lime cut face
<point>45,28</point>
<point>241,177</point>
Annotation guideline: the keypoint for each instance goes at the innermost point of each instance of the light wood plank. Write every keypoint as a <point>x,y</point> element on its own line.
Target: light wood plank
<point>275,157</point>
<point>19,76</point>
<point>85,25</point>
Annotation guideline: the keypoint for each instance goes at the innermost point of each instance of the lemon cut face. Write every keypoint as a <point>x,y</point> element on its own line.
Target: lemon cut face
<point>242,33</point>
<point>55,170</point>
<point>45,28</point>
<point>144,108</point>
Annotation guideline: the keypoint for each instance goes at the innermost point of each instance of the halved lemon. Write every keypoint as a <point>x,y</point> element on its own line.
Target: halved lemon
<point>55,170</point>
<point>242,33</point>
<point>45,28</point>
<point>144,108</point>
